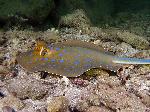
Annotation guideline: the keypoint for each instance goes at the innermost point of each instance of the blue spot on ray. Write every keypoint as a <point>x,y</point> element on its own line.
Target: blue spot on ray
<point>76,62</point>
<point>60,54</point>
<point>42,59</point>
<point>88,60</point>
<point>61,61</point>
<point>57,49</point>
<point>53,60</point>
<point>77,56</point>
<point>46,59</point>
<point>64,50</point>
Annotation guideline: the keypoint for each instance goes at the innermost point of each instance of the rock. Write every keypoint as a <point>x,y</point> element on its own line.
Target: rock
<point>27,87</point>
<point>77,19</point>
<point>11,101</point>
<point>125,50</point>
<point>142,54</point>
<point>41,110</point>
<point>117,35</point>
<point>99,33</point>
<point>51,35</point>
<point>82,106</point>
<point>144,97</point>
<point>94,100</point>
<point>2,39</point>
<point>75,34</point>
<point>76,95</point>
<point>95,10</point>
<point>34,106</point>
<point>118,98</point>
<point>4,70</point>
<point>58,104</point>
<point>7,109</point>
<point>112,81</point>
<point>134,40</point>
<point>97,109</point>
<point>22,10</point>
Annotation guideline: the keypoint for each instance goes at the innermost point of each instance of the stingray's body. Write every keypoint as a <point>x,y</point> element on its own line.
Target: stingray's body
<point>72,58</point>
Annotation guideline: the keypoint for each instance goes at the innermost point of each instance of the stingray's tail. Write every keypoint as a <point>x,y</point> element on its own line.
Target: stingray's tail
<point>130,60</point>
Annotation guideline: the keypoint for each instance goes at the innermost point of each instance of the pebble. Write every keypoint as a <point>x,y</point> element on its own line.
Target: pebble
<point>58,104</point>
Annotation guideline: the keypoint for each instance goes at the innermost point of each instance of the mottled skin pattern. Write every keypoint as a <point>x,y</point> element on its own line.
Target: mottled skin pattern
<point>71,58</point>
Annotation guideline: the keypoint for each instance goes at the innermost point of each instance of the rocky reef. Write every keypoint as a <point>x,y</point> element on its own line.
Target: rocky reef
<point>97,90</point>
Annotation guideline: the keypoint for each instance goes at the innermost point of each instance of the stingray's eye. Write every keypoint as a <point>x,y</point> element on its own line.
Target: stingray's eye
<point>37,49</point>
<point>43,52</point>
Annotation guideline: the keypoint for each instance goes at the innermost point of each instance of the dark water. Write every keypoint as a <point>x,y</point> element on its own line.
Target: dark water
<point>98,11</point>
<point>131,5</point>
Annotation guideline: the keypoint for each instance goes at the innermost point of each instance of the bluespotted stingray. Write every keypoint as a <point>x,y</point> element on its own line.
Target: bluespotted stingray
<point>72,58</point>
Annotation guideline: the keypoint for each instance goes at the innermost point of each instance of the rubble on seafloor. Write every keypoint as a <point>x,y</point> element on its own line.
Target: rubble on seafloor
<point>97,90</point>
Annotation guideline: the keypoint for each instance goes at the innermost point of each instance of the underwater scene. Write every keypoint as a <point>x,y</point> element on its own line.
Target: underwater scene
<point>74,55</point>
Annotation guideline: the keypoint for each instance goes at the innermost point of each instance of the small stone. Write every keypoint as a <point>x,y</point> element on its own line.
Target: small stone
<point>27,87</point>
<point>94,100</point>
<point>11,101</point>
<point>58,104</point>
<point>82,106</point>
